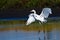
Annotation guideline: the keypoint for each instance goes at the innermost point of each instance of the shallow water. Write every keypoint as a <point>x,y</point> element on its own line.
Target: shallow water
<point>30,35</point>
<point>12,25</point>
<point>19,35</point>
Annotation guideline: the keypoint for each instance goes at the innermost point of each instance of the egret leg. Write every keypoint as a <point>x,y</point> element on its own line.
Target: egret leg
<point>39,22</point>
<point>45,21</point>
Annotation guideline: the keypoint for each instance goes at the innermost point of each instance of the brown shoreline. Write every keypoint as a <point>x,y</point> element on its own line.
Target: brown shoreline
<point>29,28</point>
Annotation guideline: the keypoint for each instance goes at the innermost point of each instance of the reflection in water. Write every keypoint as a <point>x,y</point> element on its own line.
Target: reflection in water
<point>53,35</point>
<point>32,35</point>
<point>41,35</point>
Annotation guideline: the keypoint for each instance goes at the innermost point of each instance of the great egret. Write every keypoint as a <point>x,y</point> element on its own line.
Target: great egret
<point>41,18</point>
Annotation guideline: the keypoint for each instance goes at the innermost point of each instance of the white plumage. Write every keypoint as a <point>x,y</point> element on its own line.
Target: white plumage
<point>45,12</point>
<point>41,18</point>
<point>30,19</point>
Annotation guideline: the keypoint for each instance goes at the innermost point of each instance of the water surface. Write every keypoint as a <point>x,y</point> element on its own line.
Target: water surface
<point>30,35</point>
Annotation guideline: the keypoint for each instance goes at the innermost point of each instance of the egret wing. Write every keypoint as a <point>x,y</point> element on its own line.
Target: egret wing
<point>45,12</point>
<point>30,20</point>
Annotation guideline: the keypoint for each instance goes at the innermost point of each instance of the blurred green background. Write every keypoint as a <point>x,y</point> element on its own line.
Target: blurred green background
<point>6,4</point>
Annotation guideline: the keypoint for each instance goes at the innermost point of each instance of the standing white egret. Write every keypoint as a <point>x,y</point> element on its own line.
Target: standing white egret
<point>41,18</point>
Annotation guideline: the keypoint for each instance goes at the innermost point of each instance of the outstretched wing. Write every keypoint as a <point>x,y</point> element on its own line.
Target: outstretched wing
<point>45,12</point>
<point>30,20</point>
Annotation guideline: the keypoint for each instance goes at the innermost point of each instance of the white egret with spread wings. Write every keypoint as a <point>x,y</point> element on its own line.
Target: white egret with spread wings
<point>41,18</point>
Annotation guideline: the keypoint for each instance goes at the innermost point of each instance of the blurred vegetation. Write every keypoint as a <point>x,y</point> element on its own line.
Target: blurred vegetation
<point>8,22</point>
<point>6,4</point>
<point>35,26</point>
<point>12,22</point>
